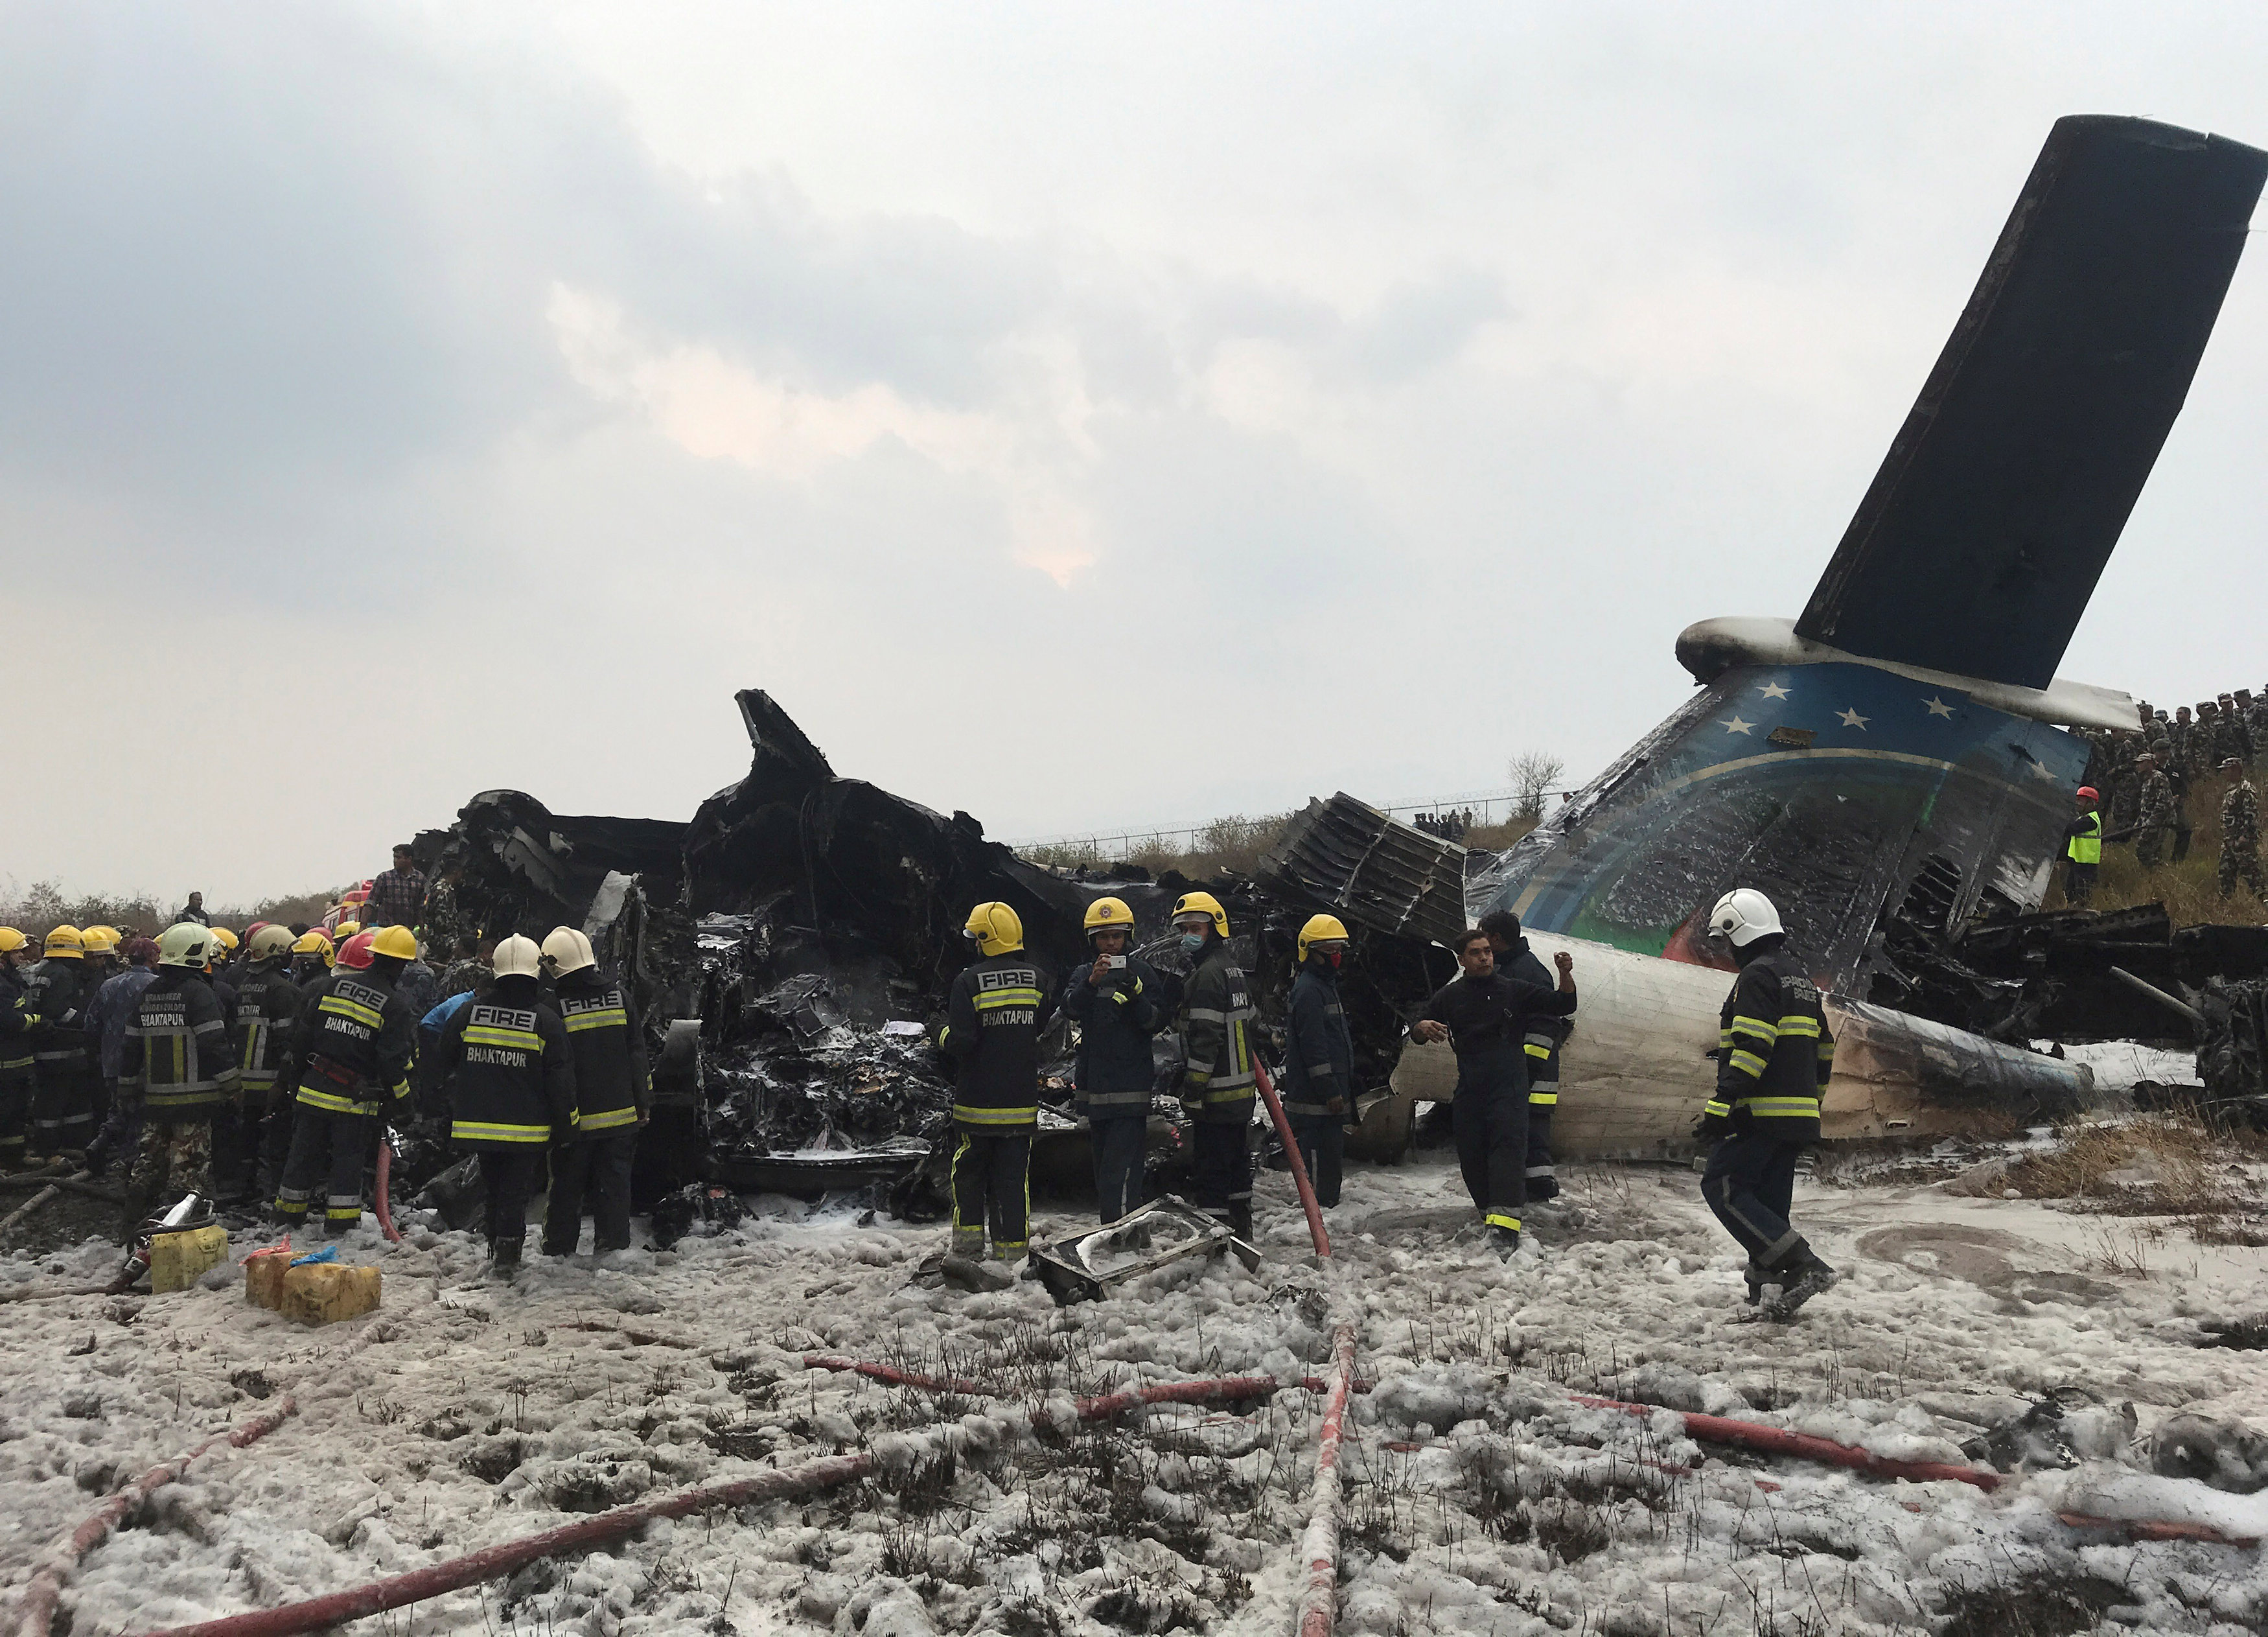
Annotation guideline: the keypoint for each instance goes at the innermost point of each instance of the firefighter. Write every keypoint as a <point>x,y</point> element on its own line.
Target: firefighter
<point>63,1109</point>
<point>1541,1044</point>
<point>1114,1003</point>
<point>997,1008</point>
<point>267,1007</point>
<point>1318,1056</point>
<point>348,1068</point>
<point>2083,849</point>
<point>313,957</point>
<point>1774,1052</point>
<point>19,1020</point>
<point>1218,1081</point>
<point>178,1069</point>
<point>614,1097</point>
<point>1484,1013</point>
<point>507,1074</point>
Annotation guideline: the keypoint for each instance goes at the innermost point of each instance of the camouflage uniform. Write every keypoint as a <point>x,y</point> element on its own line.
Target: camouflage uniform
<point>2156,818</point>
<point>2239,840</point>
<point>2236,732</point>
<point>2178,733</point>
<point>173,1159</point>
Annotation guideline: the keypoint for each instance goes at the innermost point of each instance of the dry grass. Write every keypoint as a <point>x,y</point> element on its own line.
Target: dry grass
<point>1233,844</point>
<point>2164,1165</point>
<point>40,907</point>
<point>2187,889</point>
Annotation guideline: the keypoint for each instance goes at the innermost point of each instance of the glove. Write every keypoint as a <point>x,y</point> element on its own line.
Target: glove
<point>1192,1097</point>
<point>1712,1128</point>
<point>1335,1105</point>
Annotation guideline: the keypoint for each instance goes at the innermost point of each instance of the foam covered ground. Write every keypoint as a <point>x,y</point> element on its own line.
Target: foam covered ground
<point>1482,1498</point>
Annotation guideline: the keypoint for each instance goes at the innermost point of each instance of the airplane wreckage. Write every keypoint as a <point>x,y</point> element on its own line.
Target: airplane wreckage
<point>1893,768</point>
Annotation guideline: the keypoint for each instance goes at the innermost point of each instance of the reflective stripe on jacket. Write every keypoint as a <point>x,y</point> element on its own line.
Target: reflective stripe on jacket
<point>611,1086</point>
<point>504,1064</point>
<point>1318,1047</point>
<point>1216,1025</point>
<point>178,1062</point>
<point>994,1015</point>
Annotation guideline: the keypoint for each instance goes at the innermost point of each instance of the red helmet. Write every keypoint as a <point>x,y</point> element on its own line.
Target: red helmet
<point>355,951</point>
<point>2087,793</point>
<point>254,928</point>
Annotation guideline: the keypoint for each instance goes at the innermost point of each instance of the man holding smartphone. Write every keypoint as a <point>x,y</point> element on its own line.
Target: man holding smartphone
<point>1114,1003</point>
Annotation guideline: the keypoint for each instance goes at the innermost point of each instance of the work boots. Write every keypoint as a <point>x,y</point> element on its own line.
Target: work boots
<point>1801,1277</point>
<point>1504,1242</point>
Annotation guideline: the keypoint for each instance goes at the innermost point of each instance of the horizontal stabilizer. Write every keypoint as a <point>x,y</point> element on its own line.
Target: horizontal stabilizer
<point>1981,538</point>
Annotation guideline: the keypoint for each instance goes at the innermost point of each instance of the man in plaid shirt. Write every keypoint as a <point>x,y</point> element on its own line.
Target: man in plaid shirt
<point>397,897</point>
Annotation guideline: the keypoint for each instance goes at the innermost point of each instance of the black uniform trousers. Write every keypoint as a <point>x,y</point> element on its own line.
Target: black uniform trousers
<point>1540,1177</point>
<point>273,1144</point>
<point>1749,1185</point>
<point>511,1171</point>
<point>327,1146</point>
<point>1220,1167</point>
<point>993,1188</point>
<point>15,1115</point>
<point>1323,1150</point>
<point>1490,1118</point>
<point>1121,1141</point>
<point>2078,882</point>
<point>596,1170</point>
<point>62,1104</point>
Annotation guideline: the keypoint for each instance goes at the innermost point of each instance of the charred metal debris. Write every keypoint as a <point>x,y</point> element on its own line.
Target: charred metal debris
<point>788,948</point>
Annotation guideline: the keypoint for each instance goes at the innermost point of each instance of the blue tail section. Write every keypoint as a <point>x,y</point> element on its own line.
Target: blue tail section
<point>1850,795</point>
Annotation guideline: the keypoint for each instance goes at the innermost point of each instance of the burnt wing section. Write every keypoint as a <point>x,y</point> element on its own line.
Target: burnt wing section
<point>1373,869</point>
<point>1981,538</point>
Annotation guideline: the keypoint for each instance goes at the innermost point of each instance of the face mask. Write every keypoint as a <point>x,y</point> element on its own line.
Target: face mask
<point>1193,941</point>
<point>1335,957</point>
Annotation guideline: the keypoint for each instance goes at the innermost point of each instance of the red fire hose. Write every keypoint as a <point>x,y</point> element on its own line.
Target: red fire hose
<point>1716,1429</point>
<point>1225,1390</point>
<point>384,1209</point>
<point>897,1377</point>
<point>1292,1152</point>
<point>37,1610</point>
<point>1319,1597</point>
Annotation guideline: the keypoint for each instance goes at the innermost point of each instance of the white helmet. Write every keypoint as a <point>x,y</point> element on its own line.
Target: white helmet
<point>567,950</point>
<point>516,957</point>
<point>1742,916</point>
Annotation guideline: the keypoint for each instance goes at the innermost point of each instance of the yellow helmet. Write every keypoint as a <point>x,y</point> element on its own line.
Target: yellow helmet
<point>1321,929</point>
<point>11,940</point>
<point>67,942</point>
<point>226,938</point>
<point>1201,903</point>
<point>996,928</point>
<point>314,943</point>
<point>1109,915</point>
<point>348,929</point>
<point>99,941</point>
<point>270,941</point>
<point>397,941</point>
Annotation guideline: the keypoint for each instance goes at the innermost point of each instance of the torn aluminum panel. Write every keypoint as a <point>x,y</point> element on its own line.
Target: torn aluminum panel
<point>1346,856</point>
<point>1090,1266</point>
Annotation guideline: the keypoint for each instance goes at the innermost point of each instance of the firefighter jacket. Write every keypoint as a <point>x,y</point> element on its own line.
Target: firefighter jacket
<point>179,1063</point>
<point>1774,1052</point>
<point>57,991</point>
<point>353,1046</point>
<point>1116,1020</point>
<point>1493,1013</point>
<point>1318,1047</point>
<point>504,1064</point>
<point>1216,1025</point>
<point>613,1089</point>
<point>267,1011</point>
<point>19,1019</point>
<point>1544,1034</point>
<point>993,1018</point>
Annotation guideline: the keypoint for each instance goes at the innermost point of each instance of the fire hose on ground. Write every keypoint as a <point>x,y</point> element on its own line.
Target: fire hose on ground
<point>1292,1152</point>
<point>1319,1547</point>
<point>36,1611</point>
<point>786,1483</point>
<point>1718,1430</point>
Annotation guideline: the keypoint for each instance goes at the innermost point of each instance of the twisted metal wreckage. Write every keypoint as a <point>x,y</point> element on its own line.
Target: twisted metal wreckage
<point>1894,768</point>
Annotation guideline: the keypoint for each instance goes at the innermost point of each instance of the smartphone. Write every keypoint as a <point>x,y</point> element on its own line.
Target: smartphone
<point>1117,962</point>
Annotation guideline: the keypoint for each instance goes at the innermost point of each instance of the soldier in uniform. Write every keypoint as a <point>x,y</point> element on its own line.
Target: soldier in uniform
<point>2240,837</point>
<point>2156,817</point>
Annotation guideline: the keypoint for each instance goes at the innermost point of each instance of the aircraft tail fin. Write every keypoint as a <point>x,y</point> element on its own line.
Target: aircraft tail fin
<point>1981,538</point>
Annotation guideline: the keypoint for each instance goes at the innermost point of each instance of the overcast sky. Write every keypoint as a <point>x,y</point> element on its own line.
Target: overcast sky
<point>1077,415</point>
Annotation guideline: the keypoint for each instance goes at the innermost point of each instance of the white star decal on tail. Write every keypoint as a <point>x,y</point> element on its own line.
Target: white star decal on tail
<point>1937,707</point>
<point>1851,719</point>
<point>1772,690</point>
<point>1734,725</point>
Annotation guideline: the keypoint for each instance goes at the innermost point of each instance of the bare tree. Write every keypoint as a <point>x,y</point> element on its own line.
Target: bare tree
<point>1534,773</point>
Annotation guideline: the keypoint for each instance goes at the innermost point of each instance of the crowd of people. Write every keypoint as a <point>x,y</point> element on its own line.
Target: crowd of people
<point>1450,826</point>
<point>2139,784</point>
<point>261,1069</point>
